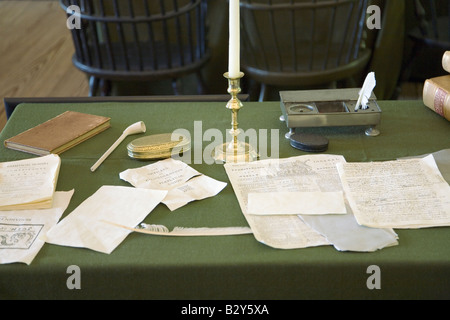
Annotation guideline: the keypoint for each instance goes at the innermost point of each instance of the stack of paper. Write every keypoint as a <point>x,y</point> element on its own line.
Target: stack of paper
<point>299,202</point>
<point>29,184</point>
<point>321,199</point>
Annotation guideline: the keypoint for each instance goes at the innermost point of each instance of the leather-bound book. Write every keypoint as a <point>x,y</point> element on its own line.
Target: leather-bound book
<point>59,133</point>
<point>436,95</point>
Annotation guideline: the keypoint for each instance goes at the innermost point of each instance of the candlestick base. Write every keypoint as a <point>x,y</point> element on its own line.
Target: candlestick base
<point>231,152</point>
<point>235,150</point>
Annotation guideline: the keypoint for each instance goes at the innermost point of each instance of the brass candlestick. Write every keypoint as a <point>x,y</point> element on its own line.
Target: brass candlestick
<point>234,150</point>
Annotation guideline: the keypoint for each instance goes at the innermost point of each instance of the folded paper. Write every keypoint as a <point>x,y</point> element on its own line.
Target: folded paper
<point>300,176</point>
<point>347,235</point>
<point>310,173</point>
<point>270,203</point>
<point>182,183</point>
<point>85,226</point>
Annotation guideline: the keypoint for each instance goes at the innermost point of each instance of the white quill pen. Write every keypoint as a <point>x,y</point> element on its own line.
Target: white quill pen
<point>183,232</point>
<point>366,91</point>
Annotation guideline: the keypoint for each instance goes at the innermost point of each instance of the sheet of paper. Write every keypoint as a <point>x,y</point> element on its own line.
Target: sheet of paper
<point>310,173</point>
<point>408,193</point>
<point>442,159</point>
<point>347,235</point>
<point>161,175</point>
<point>29,183</point>
<point>296,203</point>
<point>197,188</point>
<point>85,226</point>
<point>183,183</point>
<point>21,231</point>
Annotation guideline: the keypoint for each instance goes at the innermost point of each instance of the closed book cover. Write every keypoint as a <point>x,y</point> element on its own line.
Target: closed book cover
<point>59,133</point>
<point>436,95</point>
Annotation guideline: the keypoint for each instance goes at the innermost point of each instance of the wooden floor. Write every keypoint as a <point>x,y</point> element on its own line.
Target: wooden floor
<point>36,51</point>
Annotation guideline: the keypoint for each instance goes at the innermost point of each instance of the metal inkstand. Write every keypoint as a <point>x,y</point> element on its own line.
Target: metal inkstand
<point>325,108</point>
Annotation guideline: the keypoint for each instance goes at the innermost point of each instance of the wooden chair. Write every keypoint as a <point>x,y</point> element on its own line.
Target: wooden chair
<point>139,40</point>
<point>430,39</point>
<point>302,43</point>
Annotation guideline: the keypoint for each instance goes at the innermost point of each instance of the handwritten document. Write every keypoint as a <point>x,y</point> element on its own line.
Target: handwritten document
<point>408,193</point>
<point>442,159</point>
<point>22,231</point>
<point>310,173</point>
<point>29,183</point>
<point>85,226</point>
<point>182,183</point>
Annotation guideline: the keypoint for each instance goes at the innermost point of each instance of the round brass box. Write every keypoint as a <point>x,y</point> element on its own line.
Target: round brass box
<point>158,146</point>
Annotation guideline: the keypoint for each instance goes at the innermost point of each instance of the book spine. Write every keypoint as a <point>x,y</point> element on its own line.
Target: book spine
<point>437,98</point>
<point>446,61</point>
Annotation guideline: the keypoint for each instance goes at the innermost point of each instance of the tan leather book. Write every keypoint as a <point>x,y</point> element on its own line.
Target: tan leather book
<point>59,133</point>
<point>436,95</point>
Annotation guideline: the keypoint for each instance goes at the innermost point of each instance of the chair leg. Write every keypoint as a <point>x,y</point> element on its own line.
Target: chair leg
<point>201,85</point>
<point>105,87</point>
<point>175,87</point>
<point>93,86</point>
<point>99,86</point>
<point>262,92</point>
<point>333,85</point>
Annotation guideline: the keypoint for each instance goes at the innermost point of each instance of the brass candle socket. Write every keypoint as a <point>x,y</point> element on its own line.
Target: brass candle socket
<point>234,150</point>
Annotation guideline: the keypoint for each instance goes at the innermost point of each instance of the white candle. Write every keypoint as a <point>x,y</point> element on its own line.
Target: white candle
<point>234,41</point>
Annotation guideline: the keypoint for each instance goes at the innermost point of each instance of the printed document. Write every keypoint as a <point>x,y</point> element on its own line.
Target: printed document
<point>316,174</point>
<point>22,231</point>
<point>182,183</point>
<point>408,193</point>
<point>29,183</point>
<point>312,173</point>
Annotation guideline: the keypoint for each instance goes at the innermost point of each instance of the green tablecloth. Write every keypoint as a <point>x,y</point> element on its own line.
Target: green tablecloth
<point>228,267</point>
